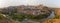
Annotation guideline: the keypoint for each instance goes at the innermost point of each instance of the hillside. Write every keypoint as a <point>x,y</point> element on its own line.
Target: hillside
<point>56,19</point>
<point>30,13</point>
<point>6,20</point>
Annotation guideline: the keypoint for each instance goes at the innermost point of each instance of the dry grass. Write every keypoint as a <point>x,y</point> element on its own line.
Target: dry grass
<point>52,21</point>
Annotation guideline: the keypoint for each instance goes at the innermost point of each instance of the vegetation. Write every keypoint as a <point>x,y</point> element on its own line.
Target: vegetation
<point>1,17</point>
<point>41,16</point>
<point>57,17</point>
<point>20,17</point>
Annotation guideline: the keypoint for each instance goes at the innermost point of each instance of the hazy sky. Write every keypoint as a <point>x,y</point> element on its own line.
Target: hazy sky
<point>51,3</point>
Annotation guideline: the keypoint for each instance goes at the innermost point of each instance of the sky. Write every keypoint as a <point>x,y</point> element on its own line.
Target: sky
<point>49,3</point>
